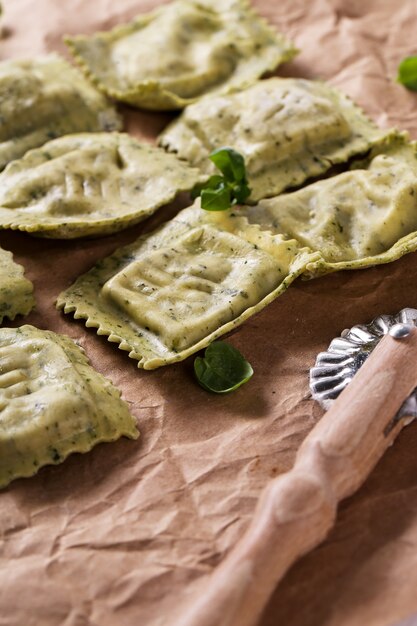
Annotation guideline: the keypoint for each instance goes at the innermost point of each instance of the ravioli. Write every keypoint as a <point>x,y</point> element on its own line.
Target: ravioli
<point>52,402</point>
<point>168,58</point>
<point>356,219</point>
<point>203,273</point>
<point>287,130</point>
<point>173,292</point>
<point>89,184</point>
<point>44,98</point>
<point>16,291</point>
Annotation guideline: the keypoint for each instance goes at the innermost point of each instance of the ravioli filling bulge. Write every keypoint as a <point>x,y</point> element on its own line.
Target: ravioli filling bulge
<point>181,293</point>
<point>89,183</point>
<point>287,130</point>
<point>190,66</point>
<point>172,292</point>
<point>352,216</point>
<point>268,129</point>
<point>200,47</point>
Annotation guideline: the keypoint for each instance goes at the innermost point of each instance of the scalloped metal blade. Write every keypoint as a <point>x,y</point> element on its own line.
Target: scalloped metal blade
<point>335,368</point>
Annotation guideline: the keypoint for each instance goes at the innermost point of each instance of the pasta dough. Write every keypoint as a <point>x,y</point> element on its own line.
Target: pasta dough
<point>356,219</point>
<point>170,57</point>
<point>172,292</point>
<point>16,291</point>
<point>52,402</point>
<point>43,98</point>
<point>287,130</point>
<point>89,184</point>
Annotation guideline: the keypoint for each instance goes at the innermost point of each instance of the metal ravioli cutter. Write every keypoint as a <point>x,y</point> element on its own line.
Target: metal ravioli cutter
<point>335,368</point>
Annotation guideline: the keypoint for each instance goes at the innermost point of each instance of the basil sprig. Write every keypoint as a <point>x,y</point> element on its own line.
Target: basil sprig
<point>222,369</point>
<point>221,192</point>
<point>407,73</point>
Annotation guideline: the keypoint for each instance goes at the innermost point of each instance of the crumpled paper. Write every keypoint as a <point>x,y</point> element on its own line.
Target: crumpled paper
<point>127,533</point>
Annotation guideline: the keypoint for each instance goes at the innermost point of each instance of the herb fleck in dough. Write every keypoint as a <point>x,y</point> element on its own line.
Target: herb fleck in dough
<point>287,130</point>
<point>16,291</point>
<point>89,184</point>
<point>184,49</point>
<point>52,402</point>
<point>43,98</point>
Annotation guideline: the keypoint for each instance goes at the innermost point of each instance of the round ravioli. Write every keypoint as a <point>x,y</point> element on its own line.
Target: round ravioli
<point>89,184</point>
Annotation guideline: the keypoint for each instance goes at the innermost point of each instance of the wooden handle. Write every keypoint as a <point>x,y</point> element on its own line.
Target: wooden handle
<point>296,510</point>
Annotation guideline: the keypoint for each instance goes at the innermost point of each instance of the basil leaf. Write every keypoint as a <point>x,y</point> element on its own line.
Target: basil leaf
<point>216,199</point>
<point>221,192</point>
<point>407,73</point>
<point>212,183</point>
<point>230,163</point>
<point>223,368</point>
<point>240,193</point>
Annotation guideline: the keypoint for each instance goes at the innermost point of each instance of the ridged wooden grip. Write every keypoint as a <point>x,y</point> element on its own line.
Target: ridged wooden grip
<point>296,510</point>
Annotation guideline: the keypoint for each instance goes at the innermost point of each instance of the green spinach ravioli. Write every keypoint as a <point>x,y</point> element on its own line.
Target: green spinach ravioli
<point>171,293</point>
<point>287,129</point>
<point>89,184</point>
<point>16,291</point>
<point>52,402</point>
<point>200,275</point>
<point>168,58</point>
<point>357,219</point>
<point>43,98</point>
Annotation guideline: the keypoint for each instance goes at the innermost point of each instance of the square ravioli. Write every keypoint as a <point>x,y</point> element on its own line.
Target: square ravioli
<point>16,291</point>
<point>43,98</point>
<point>52,402</point>
<point>206,279</point>
<point>356,219</point>
<point>168,58</point>
<point>171,293</point>
<point>203,273</point>
<point>288,130</point>
<point>89,184</point>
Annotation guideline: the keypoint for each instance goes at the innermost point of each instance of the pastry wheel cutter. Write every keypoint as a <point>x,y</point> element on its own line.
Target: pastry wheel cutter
<point>367,382</point>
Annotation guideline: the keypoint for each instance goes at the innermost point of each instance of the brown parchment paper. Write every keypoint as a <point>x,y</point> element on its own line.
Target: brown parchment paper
<point>124,535</point>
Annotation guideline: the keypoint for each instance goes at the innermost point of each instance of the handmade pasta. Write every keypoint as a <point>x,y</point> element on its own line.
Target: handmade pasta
<point>16,291</point>
<point>52,402</point>
<point>172,292</point>
<point>288,130</point>
<point>356,219</point>
<point>170,57</point>
<point>89,184</point>
<point>44,98</point>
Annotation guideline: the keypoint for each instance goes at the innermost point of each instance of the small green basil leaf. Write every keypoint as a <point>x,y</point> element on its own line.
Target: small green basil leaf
<point>216,199</point>
<point>407,73</point>
<point>240,192</point>
<point>223,368</point>
<point>230,163</point>
<point>214,182</point>
<point>219,193</point>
